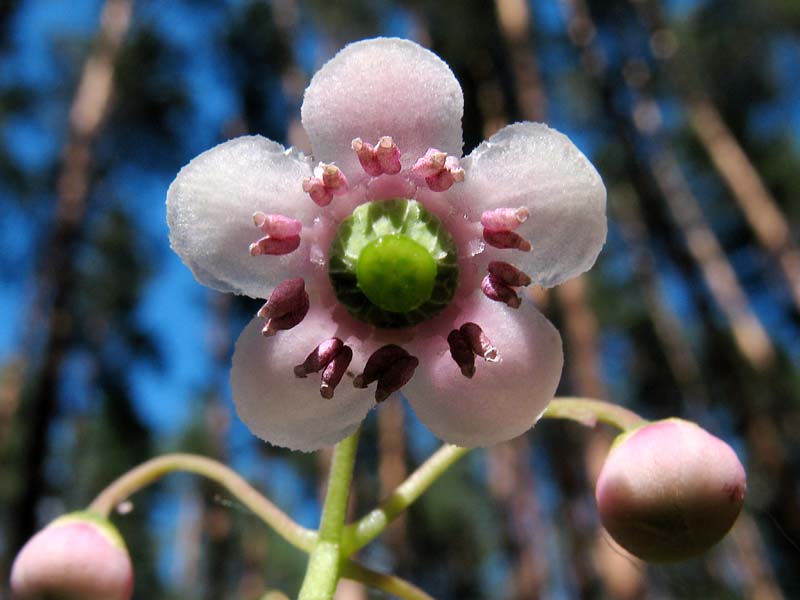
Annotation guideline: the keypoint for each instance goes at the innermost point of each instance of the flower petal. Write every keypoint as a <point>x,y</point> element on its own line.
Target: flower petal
<point>210,208</point>
<point>503,399</point>
<point>379,87</point>
<point>530,165</point>
<point>283,409</point>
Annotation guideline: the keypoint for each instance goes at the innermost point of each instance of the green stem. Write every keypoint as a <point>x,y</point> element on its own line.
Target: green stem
<point>152,470</point>
<point>367,528</point>
<point>381,581</point>
<point>322,573</point>
<point>588,412</point>
<point>583,410</point>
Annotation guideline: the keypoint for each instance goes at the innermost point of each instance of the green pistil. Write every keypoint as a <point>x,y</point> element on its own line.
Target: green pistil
<point>392,263</point>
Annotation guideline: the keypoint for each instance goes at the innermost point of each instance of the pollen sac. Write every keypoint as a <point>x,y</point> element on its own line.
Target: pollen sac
<point>669,490</point>
<point>331,357</point>
<point>506,240</point>
<point>496,290</point>
<point>283,234</point>
<point>504,219</point>
<point>438,170</point>
<point>328,181</point>
<point>286,306</point>
<point>383,158</point>
<point>462,353</point>
<point>508,274</point>
<point>391,366</point>
<point>478,342</point>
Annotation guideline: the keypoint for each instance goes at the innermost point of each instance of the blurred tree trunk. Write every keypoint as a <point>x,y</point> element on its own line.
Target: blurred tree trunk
<point>392,470</point>
<point>759,207</point>
<point>51,313</point>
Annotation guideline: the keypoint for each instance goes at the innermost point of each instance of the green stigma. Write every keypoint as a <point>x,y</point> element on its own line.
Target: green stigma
<point>393,264</point>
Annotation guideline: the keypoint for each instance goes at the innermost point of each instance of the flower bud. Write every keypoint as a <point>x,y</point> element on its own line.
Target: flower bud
<point>669,490</point>
<point>79,556</point>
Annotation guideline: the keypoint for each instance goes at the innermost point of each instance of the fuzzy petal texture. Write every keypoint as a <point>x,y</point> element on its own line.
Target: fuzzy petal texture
<point>503,399</point>
<point>283,409</point>
<point>210,208</point>
<point>384,86</point>
<point>531,165</point>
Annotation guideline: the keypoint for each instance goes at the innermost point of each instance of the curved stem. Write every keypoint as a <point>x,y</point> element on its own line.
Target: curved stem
<point>370,525</point>
<point>154,469</point>
<point>588,412</point>
<point>322,573</point>
<point>381,581</point>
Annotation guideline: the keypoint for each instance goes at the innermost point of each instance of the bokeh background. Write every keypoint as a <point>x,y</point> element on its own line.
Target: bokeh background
<point>110,352</point>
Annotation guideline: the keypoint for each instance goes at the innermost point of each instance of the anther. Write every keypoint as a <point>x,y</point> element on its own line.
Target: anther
<point>334,371</point>
<point>319,357</point>
<point>388,155</point>
<point>504,219</point>
<point>396,376</point>
<point>378,363</point>
<point>328,181</point>
<point>462,353</point>
<point>277,226</point>
<point>289,320</point>
<point>478,342</point>
<point>274,246</point>
<point>496,290</point>
<point>439,170</point>
<point>383,158</point>
<point>506,239</point>
<point>508,274</point>
<point>286,306</point>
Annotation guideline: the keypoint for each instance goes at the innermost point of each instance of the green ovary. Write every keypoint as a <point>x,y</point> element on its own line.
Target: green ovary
<point>393,264</point>
<point>396,273</point>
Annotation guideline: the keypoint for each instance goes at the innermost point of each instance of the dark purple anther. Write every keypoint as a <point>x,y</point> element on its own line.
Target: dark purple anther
<point>508,274</point>
<point>378,363</point>
<point>496,290</point>
<point>285,298</point>
<point>275,246</point>
<point>478,342</point>
<point>319,357</point>
<point>288,320</point>
<point>462,353</point>
<point>395,377</point>
<point>334,371</point>
<point>506,239</point>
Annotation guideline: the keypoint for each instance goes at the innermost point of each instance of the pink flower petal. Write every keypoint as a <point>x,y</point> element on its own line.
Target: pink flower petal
<point>383,87</point>
<point>531,166</point>
<point>287,410</point>
<point>503,399</point>
<point>210,208</point>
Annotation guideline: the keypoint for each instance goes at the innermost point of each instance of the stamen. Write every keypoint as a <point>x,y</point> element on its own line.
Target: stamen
<point>274,246</point>
<point>285,298</point>
<point>508,274</point>
<point>478,342</point>
<point>462,353</point>
<point>506,239</point>
<point>366,156</point>
<point>388,155</point>
<point>286,306</point>
<point>378,363</point>
<point>496,290</point>
<point>328,181</point>
<point>439,170</point>
<point>396,376</point>
<point>334,371</point>
<point>287,321</point>
<point>277,226</point>
<point>319,357</point>
<point>504,219</point>
<point>383,158</point>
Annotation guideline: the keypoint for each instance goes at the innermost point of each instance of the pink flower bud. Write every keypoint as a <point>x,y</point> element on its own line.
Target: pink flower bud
<point>79,555</point>
<point>669,490</point>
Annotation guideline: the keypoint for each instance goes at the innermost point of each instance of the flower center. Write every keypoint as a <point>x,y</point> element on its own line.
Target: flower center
<point>393,264</point>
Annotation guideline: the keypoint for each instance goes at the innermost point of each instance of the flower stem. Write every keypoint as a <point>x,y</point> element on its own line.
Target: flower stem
<point>154,469</point>
<point>387,583</point>
<point>370,525</point>
<point>322,573</point>
<point>589,412</point>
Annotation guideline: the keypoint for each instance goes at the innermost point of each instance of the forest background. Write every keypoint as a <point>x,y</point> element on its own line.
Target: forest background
<point>110,352</point>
